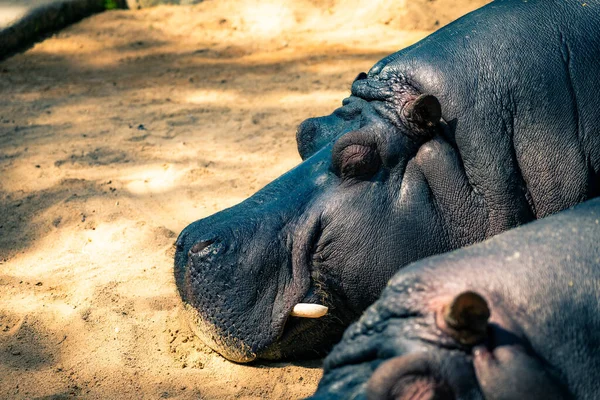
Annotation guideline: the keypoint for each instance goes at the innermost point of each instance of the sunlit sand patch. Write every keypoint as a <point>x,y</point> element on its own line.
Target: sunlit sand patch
<point>267,19</point>
<point>153,179</point>
<point>86,44</point>
<point>388,43</point>
<point>11,12</point>
<point>271,99</point>
<point>32,304</point>
<point>321,96</point>
<point>214,96</point>
<point>24,304</point>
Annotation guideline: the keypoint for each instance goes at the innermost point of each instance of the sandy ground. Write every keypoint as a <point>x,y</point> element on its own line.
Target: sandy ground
<point>118,132</point>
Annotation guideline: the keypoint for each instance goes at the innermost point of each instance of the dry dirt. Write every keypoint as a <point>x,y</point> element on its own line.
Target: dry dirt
<point>119,131</point>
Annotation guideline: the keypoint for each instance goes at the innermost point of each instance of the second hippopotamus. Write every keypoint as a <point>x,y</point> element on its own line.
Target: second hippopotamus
<point>515,317</point>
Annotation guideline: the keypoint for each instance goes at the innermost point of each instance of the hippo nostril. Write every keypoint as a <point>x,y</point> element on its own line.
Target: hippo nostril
<point>305,137</point>
<point>362,76</point>
<point>307,129</point>
<point>201,245</point>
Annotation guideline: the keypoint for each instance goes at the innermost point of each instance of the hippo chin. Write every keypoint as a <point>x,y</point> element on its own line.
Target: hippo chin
<point>489,123</point>
<point>515,317</point>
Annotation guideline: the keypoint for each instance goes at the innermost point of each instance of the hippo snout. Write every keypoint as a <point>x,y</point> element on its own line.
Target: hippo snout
<point>227,308</point>
<point>244,294</point>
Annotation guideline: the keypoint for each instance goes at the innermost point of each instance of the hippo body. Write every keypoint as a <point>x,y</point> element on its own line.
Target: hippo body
<point>541,284</point>
<point>489,123</point>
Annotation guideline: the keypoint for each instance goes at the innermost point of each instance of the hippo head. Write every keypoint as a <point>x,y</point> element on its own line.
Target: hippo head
<point>381,184</point>
<point>442,348</point>
<point>472,131</point>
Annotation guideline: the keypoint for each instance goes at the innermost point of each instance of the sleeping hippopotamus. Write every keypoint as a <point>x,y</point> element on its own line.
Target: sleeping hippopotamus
<point>488,123</point>
<point>515,317</point>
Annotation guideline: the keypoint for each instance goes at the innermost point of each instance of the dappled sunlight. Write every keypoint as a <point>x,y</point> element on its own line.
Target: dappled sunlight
<point>32,303</point>
<point>106,237</point>
<point>267,19</point>
<point>10,12</point>
<point>266,100</point>
<point>251,31</point>
<point>152,179</point>
<point>90,260</point>
<point>399,39</point>
<point>81,44</point>
<point>213,97</point>
<point>24,303</point>
<point>116,144</point>
<point>318,97</point>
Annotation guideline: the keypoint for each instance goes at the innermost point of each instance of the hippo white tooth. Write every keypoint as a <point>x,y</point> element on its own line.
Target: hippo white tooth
<point>307,310</point>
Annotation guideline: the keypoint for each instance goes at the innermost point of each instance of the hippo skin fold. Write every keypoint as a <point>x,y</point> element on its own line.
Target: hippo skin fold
<point>529,321</point>
<point>489,123</point>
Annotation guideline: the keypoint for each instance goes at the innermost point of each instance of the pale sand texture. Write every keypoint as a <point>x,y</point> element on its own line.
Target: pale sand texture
<point>118,132</point>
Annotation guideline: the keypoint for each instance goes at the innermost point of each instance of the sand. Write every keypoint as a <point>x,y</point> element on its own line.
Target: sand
<point>119,131</point>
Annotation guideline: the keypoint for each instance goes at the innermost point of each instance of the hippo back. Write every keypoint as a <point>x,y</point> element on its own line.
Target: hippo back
<point>517,81</point>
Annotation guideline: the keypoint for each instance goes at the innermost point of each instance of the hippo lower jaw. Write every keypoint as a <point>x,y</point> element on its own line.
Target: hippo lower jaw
<point>312,318</point>
<point>296,313</point>
<point>302,319</point>
<point>229,347</point>
<point>239,351</point>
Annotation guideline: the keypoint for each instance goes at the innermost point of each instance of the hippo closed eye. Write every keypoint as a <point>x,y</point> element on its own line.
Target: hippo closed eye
<point>489,123</point>
<point>515,317</point>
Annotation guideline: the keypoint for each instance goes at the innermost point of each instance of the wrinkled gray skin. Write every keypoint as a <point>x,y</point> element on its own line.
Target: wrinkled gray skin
<point>488,123</point>
<point>541,283</point>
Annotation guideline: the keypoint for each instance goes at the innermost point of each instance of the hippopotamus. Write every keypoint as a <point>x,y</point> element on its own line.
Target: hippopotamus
<point>514,317</point>
<point>489,123</point>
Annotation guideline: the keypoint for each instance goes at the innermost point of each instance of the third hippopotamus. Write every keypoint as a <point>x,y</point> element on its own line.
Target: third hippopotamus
<point>489,123</point>
<point>515,317</point>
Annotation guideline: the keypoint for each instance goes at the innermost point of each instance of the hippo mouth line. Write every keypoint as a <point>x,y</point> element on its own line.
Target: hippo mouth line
<point>311,304</point>
<point>299,323</point>
<point>311,311</point>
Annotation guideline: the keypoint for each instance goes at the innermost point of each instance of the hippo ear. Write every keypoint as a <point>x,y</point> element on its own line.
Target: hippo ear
<point>409,377</point>
<point>423,113</point>
<point>465,318</point>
